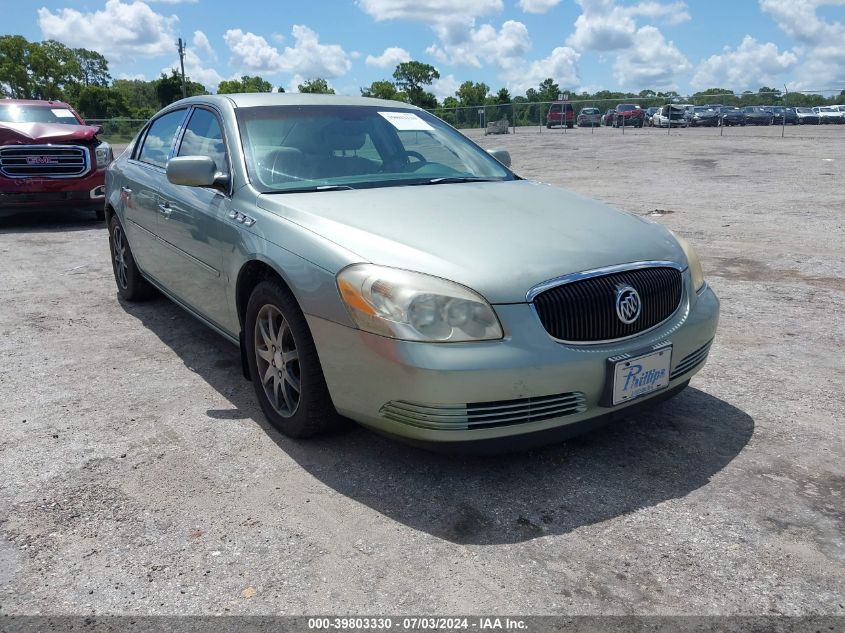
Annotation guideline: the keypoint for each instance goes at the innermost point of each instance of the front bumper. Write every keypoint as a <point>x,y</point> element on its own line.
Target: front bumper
<point>365,372</point>
<point>43,193</point>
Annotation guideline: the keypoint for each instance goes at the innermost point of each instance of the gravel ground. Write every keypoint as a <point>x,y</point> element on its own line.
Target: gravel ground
<point>140,478</point>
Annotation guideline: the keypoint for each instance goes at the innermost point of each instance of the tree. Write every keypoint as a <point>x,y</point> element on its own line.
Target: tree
<point>411,77</point>
<point>97,102</point>
<point>472,94</point>
<point>503,96</point>
<point>139,96</point>
<point>93,67</point>
<point>383,90</point>
<point>14,62</point>
<point>316,86</point>
<point>169,89</point>
<point>549,90</point>
<point>244,84</point>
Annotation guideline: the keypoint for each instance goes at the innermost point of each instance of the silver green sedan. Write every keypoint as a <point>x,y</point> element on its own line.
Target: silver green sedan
<point>373,263</point>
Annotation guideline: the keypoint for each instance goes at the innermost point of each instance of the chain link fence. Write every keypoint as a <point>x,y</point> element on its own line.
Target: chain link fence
<point>534,114</point>
<point>118,131</point>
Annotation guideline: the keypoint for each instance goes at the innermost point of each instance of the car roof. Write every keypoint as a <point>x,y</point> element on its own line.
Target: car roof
<point>33,102</point>
<point>257,99</point>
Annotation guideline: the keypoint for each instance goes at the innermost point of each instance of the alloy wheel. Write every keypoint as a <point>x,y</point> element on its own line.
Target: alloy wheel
<point>277,360</point>
<point>121,269</point>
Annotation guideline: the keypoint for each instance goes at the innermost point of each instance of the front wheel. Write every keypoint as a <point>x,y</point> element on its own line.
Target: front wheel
<point>131,285</point>
<point>284,365</point>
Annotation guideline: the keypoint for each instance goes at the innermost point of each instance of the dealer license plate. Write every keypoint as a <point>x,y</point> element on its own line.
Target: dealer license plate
<point>641,375</point>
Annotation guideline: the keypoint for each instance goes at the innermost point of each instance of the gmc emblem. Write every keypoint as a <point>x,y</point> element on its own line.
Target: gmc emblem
<point>42,160</point>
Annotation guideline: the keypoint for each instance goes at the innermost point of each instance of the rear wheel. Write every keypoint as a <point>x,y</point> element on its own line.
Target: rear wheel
<point>283,362</point>
<point>131,285</point>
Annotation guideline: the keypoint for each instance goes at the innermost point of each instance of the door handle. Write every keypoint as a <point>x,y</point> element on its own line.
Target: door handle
<point>126,190</point>
<point>164,208</point>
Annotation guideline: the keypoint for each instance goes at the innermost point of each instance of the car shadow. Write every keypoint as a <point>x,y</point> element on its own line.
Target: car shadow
<point>48,220</point>
<point>638,462</point>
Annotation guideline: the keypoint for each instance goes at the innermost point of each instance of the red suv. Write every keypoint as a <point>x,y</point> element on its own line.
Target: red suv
<point>49,157</point>
<point>560,113</point>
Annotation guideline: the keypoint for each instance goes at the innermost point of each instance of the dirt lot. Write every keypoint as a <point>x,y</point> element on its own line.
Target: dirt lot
<point>139,476</point>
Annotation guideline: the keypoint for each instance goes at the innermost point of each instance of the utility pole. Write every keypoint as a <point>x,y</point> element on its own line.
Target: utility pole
<point>181,46</point>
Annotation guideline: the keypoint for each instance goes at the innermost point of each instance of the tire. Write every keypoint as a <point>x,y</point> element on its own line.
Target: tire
<point>131,285</point>
<point>275,328</point>
<point>548,126</point>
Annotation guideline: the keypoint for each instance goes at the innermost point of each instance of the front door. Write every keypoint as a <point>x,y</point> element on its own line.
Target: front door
<point>194,224</point>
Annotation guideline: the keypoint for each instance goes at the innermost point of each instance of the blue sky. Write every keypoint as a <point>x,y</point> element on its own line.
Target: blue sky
<point>582,44</point>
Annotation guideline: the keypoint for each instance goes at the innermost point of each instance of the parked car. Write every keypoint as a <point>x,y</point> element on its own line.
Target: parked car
<point>50,158</point>
<point>589,117</point>
<point>366,258</point>
<point>560,113</point>
<point>650,112</point>
<point>670,116</point>
<point>829,114</point>
<point>806,116</point>
<point>730,116</point>
<point>757,115</point>
<point>607,117</point>
<point>701,116</point>
<point>628,114</point>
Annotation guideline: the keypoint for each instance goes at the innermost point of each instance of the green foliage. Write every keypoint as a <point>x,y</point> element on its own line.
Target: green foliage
<point>139,96</point>
<point>244,84</point>
<point>316,86</point>
<point>472,94</point>
<point>383,90</point>
<point>411,77</point>
<point>169,89</point>
<point>97,102</point>
<point>93,67</point>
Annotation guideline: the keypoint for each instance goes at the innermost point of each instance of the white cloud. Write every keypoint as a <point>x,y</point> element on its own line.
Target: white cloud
<point>203,46</point>
<point>132,76</point>
<point>445,87</point>
<point>823,41</point>
<point>307,57</point>
<point>561,65</point>
<point>748,66</point>
<point>431,12</point>
<point>175,1</point>
<point>196,70</point>
<point>120,30</point>
<point>606,26</point>
<point>390,58</point>
<point>484,44</point>
<point>537,6</point>
<point>651,61</point>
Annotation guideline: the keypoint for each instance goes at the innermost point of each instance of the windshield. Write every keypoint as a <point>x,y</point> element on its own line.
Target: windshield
<point>15,113</point>
<point>290,148</point>
<point>590,111</point>
<point>625,107</point>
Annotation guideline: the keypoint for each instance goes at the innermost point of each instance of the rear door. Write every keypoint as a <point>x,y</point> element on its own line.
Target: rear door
<point>194,224</point>
<point>143,176</point>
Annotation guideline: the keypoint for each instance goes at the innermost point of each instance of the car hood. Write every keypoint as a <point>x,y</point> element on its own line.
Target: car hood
<point>28,133</point>
<point>498,238</point>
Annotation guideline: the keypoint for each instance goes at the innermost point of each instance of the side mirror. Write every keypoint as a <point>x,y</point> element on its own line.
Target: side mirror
<point>195,171</point>
<point>501,155</point>
<point>99,129</point>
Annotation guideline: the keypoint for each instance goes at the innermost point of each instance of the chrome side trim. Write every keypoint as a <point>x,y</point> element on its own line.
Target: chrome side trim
<point>85,154</point>
<point>598,272</point>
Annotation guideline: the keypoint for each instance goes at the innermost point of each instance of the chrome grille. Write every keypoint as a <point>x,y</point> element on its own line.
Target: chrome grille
<point>691,361</point>
<point>484,415</point>
<point>584,310</point>
<point>43,161</point>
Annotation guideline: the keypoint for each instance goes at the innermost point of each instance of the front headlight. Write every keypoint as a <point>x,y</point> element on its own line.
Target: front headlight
<point>693,262</point>
<point>104,154</point>
<point>415,307</point>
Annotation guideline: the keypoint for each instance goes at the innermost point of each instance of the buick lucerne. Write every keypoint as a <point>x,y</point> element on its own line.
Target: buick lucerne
<point>373,263</point>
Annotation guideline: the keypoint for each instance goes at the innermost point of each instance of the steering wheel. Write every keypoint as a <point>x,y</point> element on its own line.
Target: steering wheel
<point>394,160</point>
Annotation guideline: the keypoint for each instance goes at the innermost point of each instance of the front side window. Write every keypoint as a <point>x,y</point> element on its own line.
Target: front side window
<point>291,148</point>
<point>160,137</point>
<point>203,137</point>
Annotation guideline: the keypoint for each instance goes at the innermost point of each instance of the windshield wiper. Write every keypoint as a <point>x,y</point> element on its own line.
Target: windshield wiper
<point>315,188</point>
<point>451,179</point>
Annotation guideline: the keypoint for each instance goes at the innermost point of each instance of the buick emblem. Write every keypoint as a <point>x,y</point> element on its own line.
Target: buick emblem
<point>628,304</point>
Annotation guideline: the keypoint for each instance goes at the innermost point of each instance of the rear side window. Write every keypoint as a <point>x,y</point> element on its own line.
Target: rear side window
<point>203,137</point>
<point>159,139</point>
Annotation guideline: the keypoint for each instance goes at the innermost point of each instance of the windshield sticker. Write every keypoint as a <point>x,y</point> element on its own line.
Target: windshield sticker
<point>62,113</point>
<point>406,121</point>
